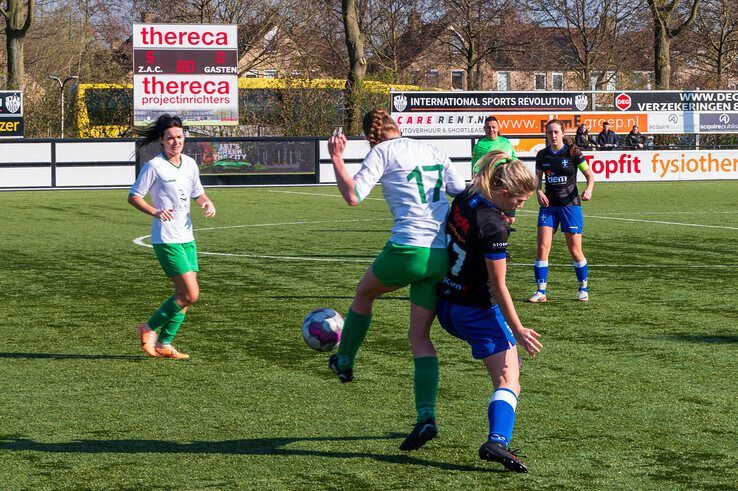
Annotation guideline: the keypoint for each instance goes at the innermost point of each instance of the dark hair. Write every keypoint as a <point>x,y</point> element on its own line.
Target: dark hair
<point>156,130</point>
<point>573,150</point>
<point>490,118</point>
<point>376,124</point>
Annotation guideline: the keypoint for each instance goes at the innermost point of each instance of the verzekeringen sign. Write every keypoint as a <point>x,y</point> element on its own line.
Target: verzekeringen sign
<point>677,101</point>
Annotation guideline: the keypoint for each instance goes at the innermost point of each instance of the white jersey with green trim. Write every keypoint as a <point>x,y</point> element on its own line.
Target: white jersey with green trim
<point>415,178</point>
<point>171,188</point>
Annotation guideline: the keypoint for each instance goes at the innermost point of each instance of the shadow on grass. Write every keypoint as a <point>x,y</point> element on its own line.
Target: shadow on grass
<point>253,446</point>
<point>694,338</point>
<point>68,356</point>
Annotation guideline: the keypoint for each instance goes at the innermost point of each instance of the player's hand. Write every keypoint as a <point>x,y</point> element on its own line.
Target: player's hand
<point>528,340</point>
<point>337,144</point>
<point>587,195</point>
<point>510,220</point>
<point>209,208</point>
<point>542,198</point>
<point>164,215</point>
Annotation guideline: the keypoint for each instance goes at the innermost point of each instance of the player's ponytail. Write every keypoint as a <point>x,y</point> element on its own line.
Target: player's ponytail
<point>498,171</point>
<point>377,125</point>
<point>156,130</point>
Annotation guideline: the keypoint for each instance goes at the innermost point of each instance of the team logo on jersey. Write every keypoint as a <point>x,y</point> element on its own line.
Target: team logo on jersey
<point>400,102</point>
<point>564,163</point>
<point>580,102</point>
<point>13,103</point>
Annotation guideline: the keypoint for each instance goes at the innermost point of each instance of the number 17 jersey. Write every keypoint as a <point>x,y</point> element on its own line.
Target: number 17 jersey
<point>415,178</point>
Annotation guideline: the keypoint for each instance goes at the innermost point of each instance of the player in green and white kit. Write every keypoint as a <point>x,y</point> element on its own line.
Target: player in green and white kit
<point>415,178</point>
<point>492,141</point>
<point>172,179</point>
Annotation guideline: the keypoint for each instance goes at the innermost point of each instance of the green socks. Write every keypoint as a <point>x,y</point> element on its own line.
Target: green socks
<point>426,386</point>
<point>170,328</point>
<point>354,331</point>
<point>167,311</point>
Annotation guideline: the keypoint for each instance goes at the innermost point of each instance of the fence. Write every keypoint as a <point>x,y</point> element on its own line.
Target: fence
<point>250,161</point>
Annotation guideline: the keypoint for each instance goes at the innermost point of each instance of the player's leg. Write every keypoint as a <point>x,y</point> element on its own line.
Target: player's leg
<point>547,223</point>
<point>425,377</point>
<point>504,369</point>
<point>356,325</point>
<point>175,260</point>
<point>572,223</point>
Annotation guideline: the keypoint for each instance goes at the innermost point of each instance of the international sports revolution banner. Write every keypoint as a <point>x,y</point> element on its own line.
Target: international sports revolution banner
<point>185,69</point>
<point>489,102</point>
<point>669,165</point>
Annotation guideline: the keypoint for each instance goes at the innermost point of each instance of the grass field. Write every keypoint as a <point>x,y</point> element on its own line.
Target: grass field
<point>637,389</point>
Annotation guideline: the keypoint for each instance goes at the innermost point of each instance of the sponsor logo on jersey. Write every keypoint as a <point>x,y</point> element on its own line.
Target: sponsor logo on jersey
<point>554,179</point>
<point>400,102</point>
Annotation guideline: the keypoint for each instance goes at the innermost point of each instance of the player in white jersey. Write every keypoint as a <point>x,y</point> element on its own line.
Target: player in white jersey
<point>415,178</point>
<point>172,179</point>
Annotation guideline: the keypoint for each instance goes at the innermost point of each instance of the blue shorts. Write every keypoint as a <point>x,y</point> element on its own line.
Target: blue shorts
<point>570,218</point>
<point>485,329</point>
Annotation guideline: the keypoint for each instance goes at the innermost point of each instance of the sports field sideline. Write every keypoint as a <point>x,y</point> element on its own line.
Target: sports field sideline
<point>634,390</point>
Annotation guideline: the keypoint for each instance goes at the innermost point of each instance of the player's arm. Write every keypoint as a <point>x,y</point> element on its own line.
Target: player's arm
<point>140,204</point>
<point>336,146</point>
<point>206,205</point>
<point>542,198</point>
<point>526,337</point>
<point>587,193</point>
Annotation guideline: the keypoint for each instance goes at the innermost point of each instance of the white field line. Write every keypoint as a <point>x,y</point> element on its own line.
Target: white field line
<point>140,241</point>
<point>700,225</point>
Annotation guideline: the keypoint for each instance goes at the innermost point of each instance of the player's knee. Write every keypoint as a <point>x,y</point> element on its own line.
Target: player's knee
<point>189,297</point>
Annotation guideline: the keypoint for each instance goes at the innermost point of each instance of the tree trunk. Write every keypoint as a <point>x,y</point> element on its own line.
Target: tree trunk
<point>16,27</point>
<point>357,67</point>
<point>661,57</point>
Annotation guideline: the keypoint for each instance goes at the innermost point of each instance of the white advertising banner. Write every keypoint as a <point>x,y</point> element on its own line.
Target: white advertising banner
<point>663,165</point>
<point>185,69</point>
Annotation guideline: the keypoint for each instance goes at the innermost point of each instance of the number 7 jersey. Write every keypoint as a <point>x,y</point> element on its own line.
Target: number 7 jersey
<point>415,178</point>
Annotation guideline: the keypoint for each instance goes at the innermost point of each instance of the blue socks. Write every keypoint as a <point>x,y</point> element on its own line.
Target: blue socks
<point>501,414</point>
<point>540,270</point>
<point>580,269</point>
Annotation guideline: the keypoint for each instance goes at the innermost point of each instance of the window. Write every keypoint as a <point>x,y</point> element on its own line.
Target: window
<point>503,81</point>
<point>540,81</point>
<point>270,73</point>
<point>611,81</point>
<point>433,77</point>
<point>251,74</point>
<point>457,79</point>
<point>557,79</point>
<point>593,80</point>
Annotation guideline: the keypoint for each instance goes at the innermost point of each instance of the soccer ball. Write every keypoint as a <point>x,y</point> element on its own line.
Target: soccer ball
<point>321,329</point>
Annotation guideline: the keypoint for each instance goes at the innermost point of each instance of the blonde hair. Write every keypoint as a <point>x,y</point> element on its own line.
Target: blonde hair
<point>376,125</point>
<point>498,171</point>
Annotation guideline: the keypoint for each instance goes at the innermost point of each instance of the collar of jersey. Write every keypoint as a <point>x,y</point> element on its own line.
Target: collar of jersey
<point>476,197</point>
<point>557,152</point>
<point>164,156</point>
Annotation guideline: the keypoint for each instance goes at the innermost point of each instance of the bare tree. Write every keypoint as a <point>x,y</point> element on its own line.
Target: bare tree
<point>716,40</point>
<point>18,16</point>
<point>593,33</point>
<point>670,19</point>
<point>477,29</point>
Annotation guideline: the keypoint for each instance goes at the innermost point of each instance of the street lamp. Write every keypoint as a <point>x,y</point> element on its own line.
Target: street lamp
<point>61,88</point>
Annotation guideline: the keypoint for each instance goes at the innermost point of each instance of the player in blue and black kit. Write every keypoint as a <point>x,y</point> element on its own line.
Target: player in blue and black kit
<point>474,303</point>
<point>557,166</point>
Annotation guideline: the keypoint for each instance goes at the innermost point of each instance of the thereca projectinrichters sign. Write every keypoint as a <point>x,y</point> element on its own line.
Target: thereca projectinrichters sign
<point>11,114</point>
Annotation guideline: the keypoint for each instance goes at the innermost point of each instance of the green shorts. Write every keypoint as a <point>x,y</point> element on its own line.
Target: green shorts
<point>420,267</point>
<point>177,259</point>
